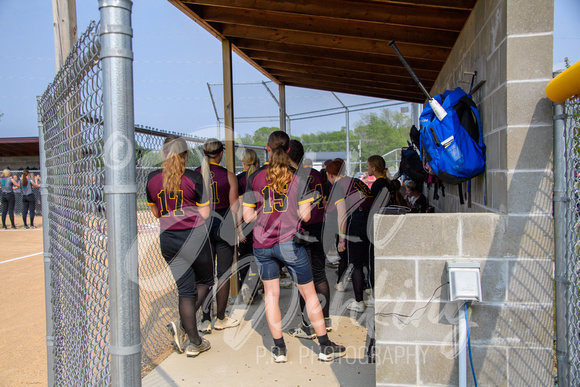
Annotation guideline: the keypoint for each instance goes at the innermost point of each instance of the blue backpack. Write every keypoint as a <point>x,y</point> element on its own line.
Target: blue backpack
<point>453,148</point>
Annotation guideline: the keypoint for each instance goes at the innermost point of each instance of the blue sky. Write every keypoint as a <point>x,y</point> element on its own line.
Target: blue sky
<point>175,59</point>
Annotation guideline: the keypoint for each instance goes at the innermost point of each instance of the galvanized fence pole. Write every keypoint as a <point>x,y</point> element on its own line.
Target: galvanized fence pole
<point>120,190</point>
<point>46,252</point>
<point>560,205</point>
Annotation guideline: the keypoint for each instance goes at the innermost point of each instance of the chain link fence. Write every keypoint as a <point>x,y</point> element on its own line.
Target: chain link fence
<point>71,123</point>
<point>70,113</point>
<point>572,280</point>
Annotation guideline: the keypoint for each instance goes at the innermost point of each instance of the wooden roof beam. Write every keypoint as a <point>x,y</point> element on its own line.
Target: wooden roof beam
<point>339,88</point>
<point>447,4</point>
<point>324,25</point>
<point>357,58</point>
<point>378,82</point>
<point>266,56</point>
<point>330,41</point>
<point>393,13</point>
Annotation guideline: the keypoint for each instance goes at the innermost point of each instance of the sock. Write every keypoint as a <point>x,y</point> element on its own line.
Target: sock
<point>280,342</point>
<point>323,340</point>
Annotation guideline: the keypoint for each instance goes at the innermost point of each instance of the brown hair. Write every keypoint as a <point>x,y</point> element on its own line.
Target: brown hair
<point>378,163</point>
<point>278,172</point>
<point>212,147</point>
<point>174,154</point>
<point>25,178</point>
<point>335,168</point>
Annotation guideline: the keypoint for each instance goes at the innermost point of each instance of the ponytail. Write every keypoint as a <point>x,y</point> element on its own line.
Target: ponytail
<point>250,158</point>
<point>25,178</point>
<point>279,173</point>
<point>211,148</point>
<point>174,152</point>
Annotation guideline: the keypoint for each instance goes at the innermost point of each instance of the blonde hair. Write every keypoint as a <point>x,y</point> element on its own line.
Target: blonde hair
<point>250,158</point>
<point>378,163</point>
<point>6,173</point>
<point>174,153</point>
<point>278,172</point>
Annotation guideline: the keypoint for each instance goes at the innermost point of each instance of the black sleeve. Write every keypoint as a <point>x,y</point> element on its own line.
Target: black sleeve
<point>241,189</point>
<point>150,199</point>
<point>304,192</point>
<point>249,199</point>
<point>201,197</point>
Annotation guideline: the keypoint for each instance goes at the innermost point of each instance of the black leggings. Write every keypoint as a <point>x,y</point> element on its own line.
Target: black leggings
<point>8,201</point>
<point>358,252</point>
<point>28,204</point>
<point>222,240</point>
<point>317,259</point>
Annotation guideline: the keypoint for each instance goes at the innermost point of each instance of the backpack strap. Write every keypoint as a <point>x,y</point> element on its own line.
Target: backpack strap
<point>460,188</point>
<point>469,193</point>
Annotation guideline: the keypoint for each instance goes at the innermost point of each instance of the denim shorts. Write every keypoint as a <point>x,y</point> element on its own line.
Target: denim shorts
<point>288,253</point>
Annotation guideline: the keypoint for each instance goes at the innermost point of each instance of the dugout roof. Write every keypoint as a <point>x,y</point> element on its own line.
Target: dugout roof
<point>339,45</point>
<point>19,146</point>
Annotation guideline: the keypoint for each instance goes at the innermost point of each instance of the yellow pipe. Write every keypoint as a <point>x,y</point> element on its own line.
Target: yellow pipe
<point>565,85</point>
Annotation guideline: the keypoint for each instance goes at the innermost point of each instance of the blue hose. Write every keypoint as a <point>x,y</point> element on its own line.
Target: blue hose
<point>469,345</point>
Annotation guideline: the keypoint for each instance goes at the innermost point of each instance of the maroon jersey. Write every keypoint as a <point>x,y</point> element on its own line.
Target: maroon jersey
<point>355,193</point>
<point>219,185</point>
<point>178,209</point>
<point>315,188</point>
<point>278,219</point>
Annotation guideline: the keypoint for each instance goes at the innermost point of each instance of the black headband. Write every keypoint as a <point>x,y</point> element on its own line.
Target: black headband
<point>215,152</point>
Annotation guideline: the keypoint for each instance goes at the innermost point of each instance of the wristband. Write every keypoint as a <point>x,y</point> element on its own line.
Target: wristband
<point>342,233</point>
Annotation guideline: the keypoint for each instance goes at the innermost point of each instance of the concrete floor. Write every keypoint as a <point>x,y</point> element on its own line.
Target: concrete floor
<point>241,356</point>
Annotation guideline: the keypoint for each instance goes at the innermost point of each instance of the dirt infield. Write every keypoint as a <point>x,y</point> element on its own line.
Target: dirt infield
<point>22,316</point>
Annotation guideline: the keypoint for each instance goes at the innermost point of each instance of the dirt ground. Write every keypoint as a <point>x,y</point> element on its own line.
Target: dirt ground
<point>22,315</point>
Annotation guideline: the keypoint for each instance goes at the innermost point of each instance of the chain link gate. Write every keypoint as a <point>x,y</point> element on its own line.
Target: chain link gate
<point>71,124</point>
<point>572,230</point>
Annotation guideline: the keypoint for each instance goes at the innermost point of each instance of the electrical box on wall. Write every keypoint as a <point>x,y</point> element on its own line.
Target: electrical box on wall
<point>464,281</point>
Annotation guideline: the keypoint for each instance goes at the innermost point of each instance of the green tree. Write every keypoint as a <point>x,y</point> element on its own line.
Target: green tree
<point>383,132</point>
<point>261,135</point>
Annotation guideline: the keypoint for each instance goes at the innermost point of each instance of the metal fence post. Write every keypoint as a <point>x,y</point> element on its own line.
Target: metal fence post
<point>560,204</point>
<point>120,190</point>
<point>46,253</point>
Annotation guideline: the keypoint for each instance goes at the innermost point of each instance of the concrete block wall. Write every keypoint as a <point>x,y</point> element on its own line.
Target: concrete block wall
<point>508,229</point>
<point>509,44</point>
<point>511,330</point>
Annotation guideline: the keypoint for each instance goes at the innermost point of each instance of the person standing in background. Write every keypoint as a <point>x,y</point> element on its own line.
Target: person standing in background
<point>250,163</point>
<point>177,198</point>
<point>313,231</point>
<point>273,200</point>
<point>28,199</point>
<point>222,186</point>
<point>8,183</point>
<point>352,200</point>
